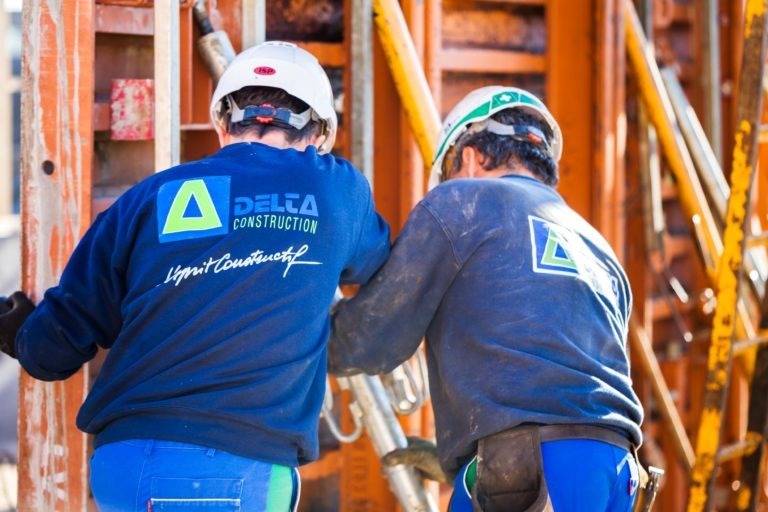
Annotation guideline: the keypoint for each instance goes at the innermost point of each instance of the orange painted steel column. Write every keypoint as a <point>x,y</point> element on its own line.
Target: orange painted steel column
<point>610,127</point>
<point>56,148</point>
<point>571,96</point>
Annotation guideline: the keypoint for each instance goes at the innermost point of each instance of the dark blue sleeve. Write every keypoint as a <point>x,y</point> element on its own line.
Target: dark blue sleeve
<point>78,315</point>
<point>372,245</point>
<point>383,325</point>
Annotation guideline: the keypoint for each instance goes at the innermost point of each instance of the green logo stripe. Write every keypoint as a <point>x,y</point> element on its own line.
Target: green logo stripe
<point>550,256</point>
<point>177,222</point>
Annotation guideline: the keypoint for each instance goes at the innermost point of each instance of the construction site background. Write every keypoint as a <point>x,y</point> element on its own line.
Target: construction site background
<point>651,137</point>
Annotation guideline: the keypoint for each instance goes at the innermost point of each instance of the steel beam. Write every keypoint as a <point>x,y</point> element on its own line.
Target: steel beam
<point>361,91</point>
<point>254,22</point>
<point>167,85</point>
<point>710,50</point>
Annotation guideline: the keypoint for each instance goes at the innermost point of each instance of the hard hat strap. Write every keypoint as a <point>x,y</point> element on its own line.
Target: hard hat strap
<point>268,114</point>
<point>521,132</point>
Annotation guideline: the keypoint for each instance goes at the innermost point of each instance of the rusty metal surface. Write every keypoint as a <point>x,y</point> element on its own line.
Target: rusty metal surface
<point>115,19</point>
<point>570,31</point>
<point>642,351</point>
<point>56,145</point>
<point>499,26</point>
<point>131,104</point>
<point>731,259</point>
<point>491,61</point>
<point>608,213</point>
<point>306,20</point>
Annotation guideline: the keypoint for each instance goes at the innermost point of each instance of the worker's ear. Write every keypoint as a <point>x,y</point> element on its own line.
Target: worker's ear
<point>471,162</point>
<point>317,140</point>
<point>224,136</point>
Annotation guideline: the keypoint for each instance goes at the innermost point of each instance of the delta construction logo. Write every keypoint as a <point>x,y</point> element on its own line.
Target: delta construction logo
<point>194,208</point>
<point>557,250</point>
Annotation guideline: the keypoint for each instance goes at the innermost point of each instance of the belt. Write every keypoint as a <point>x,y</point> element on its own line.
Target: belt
<point>592,432</point>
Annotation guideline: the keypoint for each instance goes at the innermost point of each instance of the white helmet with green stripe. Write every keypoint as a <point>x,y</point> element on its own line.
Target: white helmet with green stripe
<point>481,104</point>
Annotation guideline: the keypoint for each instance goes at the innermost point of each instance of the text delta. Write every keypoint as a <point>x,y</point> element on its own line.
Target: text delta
<point>277,203</point>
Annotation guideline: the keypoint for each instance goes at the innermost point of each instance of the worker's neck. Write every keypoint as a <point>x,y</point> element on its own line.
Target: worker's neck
<point>274,138</point>
<point>519,170</point>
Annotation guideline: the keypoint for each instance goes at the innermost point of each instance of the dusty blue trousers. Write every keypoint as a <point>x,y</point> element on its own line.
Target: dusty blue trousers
<point>582,476</point>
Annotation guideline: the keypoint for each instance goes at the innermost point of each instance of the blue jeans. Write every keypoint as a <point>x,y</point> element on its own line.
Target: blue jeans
<point>147,475</point>
<point>582,476</point>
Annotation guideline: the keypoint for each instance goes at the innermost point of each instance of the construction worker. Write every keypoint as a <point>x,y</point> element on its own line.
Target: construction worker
<point>210,284</point>
<point>524,307</point>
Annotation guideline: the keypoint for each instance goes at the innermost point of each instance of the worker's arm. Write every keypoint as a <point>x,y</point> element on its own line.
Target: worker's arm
<point>372,246</point>
<point>383,324</point>
<point>83,311</point>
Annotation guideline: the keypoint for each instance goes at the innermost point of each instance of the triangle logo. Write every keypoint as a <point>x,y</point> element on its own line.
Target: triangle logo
<point>555,254</point>
<point>193,195</point>
<point>193,208</point>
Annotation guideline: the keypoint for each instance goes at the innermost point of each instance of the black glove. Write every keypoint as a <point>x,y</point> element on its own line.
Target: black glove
<point>14,310</point>
<point>421,454</point>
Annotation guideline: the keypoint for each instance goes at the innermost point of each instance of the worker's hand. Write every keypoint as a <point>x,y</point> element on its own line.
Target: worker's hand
<point>421,454</point>
<point>14,310</point>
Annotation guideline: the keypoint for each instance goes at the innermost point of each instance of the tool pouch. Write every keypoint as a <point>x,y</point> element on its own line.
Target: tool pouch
<point>510,473</point>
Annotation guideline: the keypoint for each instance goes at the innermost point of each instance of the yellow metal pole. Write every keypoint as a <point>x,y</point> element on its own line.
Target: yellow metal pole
<point>731,261</point>
<point>660,111</point>
<point>409,77</point>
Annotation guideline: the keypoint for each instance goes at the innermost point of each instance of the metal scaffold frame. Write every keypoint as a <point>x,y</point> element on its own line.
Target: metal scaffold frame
<point>730,267</point>
<point>404,52</point>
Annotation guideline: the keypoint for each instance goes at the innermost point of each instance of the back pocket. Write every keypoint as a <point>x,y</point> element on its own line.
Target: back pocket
<point>183,494</point>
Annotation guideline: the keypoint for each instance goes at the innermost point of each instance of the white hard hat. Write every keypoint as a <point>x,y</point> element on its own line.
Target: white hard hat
<point>481,104</point>
<point>283,66</point>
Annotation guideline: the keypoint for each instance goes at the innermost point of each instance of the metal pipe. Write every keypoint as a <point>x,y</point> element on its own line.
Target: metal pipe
<point>710,50</point>
<point>660,111</point>
<point>361,90</point>
<point>653,212</point>
<point>758,240</point>
<point>653,216</point>
<point>213,45</point>
<point>710,173</point>
<point>386,435</point>
<point>253,14</point>
<point>739,449</point>
<point>167,84</point>
<point>749,109</point>
<point>645,356</point>
<point>408,76</point>
<point>741,346</point>
<point>662,115</point>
